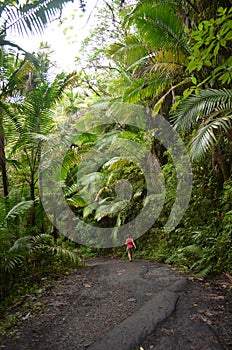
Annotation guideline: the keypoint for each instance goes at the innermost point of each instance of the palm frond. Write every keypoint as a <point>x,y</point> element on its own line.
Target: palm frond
<point>160,26</point>
<point>86,138</point>
<point>11,261</point>
<point>41,239</point>
<point>70,161</point>
<point>70,190</point>
<point>141,88</point>
<point>196,107</point>
<point>19,209</point>
<point>11,116</point>
<point>206,138</point>
<point>128,52</point>
<point>56,249</point>
<point>30,17</point>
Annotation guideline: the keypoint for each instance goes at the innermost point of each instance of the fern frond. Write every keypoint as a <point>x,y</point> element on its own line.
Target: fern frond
<point>73,256</point>
<point>11,261</point>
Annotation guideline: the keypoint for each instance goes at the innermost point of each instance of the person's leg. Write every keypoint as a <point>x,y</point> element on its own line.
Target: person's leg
<point>129,254</point>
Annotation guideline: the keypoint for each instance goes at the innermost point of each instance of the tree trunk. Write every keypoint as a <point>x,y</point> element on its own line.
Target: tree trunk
<point>3,157</point>
<point>223,166</point>
<point>32,197</point>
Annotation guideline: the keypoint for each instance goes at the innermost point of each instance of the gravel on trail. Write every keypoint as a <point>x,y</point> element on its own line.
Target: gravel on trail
<point>118,305</point>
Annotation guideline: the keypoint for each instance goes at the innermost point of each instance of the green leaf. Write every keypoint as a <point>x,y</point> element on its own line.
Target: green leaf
<point>76,201</point>
<point>194,80</point>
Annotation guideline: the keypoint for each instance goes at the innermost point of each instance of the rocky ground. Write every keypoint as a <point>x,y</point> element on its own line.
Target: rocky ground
<point>112,300</point>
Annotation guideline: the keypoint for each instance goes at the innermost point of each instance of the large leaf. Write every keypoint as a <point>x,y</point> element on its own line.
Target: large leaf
<point>76,201</point>
<point>109,209</point>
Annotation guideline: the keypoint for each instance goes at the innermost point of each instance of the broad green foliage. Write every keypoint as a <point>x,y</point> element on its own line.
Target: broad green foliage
<point>95,191</point>
<point>202,242</point>
<point>211,42</point>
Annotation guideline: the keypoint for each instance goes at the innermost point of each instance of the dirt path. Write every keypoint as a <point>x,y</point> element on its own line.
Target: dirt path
<point>128,305</point>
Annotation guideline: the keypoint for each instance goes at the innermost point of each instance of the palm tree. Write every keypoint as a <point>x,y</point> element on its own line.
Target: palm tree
<point>23,18</point>
<point>12,80</point>
<point>36,116</point>
<point>155,55</point>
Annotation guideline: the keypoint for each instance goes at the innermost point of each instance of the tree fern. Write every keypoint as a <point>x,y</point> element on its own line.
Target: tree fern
<point>156,53</point>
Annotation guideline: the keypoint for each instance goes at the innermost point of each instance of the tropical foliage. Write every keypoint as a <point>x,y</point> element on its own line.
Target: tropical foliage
<point>171,58</point>
<point>179,65</point>
<point>28,99</point>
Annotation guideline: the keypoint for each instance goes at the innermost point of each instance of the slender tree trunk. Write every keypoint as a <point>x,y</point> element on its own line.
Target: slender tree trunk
<point>55,230</point>
<point>217,158</point>
<point>3,157</point>
<point>32,197</point>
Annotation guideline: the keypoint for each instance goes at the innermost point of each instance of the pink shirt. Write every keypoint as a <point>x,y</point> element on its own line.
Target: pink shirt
<point>129,243</point>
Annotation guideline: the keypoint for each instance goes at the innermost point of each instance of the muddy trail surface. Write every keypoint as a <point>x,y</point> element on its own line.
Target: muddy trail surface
<point>120,305</point>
